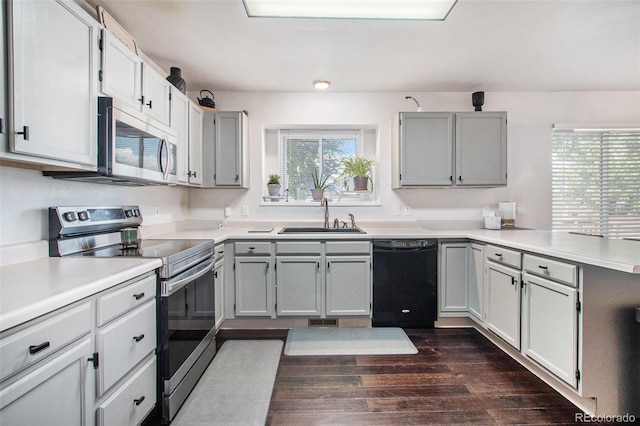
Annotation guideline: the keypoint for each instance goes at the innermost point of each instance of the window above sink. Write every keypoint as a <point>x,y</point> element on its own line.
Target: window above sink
<point>297,153</point>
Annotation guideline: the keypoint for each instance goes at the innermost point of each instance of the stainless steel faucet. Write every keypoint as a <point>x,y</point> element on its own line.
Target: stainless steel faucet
<point>325,203</point>
<point>353,220</point>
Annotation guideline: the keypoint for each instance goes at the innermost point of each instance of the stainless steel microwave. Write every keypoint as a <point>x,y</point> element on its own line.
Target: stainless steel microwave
<point>132,149</point>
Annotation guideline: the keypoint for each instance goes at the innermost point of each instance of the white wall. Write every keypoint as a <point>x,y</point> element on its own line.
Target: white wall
<point>26,196</point>
<point>530,119</point>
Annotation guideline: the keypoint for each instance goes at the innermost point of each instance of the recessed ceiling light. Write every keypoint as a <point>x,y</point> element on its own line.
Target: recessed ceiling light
<point>321,84</point>
<point>433,10</point>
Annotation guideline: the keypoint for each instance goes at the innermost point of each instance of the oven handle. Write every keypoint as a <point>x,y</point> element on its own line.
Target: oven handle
<point>169,287</point>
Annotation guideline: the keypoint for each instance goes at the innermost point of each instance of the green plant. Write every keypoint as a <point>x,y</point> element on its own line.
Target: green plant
<point>274,179</point>
<point>318,181</point>
<point>357,166</point>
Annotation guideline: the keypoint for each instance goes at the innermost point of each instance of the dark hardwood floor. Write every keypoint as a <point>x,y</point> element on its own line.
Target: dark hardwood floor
<point>458,376</point>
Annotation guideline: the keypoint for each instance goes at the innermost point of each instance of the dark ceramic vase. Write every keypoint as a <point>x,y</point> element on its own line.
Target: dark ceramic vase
<point>176,79</point>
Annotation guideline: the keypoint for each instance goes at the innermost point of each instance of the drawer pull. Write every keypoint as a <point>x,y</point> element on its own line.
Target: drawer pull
<point>139,400</point>
<point>34,349</point>
<point>499,255</point>
<point>138,296</point>
<point>252,248</point>
<point>138,338</point>
<point>513,281</point>
<point>544,268</point>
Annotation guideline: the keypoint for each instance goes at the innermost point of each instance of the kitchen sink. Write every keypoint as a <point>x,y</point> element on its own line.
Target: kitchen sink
<point>313,230</point>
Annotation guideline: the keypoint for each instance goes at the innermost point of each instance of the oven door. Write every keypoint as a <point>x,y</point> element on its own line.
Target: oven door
<point>186,333</point>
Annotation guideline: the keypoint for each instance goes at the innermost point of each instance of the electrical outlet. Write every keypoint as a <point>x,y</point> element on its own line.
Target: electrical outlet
<point>156,212</point>
<point>244,210</point>
<point>227,211</point>
<point>407,210</point>
<point>396,210</point>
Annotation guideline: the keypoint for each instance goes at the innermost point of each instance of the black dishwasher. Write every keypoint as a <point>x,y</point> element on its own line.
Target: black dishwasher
<point>405,280</point>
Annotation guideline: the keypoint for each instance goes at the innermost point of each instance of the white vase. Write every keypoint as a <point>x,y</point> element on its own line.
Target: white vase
<point>316,194</point>
<point>274,189</point>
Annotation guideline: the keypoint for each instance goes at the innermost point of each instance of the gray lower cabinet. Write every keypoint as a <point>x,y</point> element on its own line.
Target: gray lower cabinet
<point>449,149</point>
<point>476,282</point>
<point>92,362</point>
<point>298,285</point>
<point>550,315</point>
<point>454,277</point>
<point>309,278</point>
<point>254,286</point>
<point>348,283</point>
<point>503,292</point>
<point>53,393</point>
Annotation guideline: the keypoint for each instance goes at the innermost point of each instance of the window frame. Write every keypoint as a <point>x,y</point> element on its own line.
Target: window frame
<point>595,173</point>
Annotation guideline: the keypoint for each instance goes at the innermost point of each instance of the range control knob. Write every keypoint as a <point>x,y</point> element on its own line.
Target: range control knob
<point>136,212</point>
<point>70,216</point>
<point>128,213</point>
<point>83,216</point>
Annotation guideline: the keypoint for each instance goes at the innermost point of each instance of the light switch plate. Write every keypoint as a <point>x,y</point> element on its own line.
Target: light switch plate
<point>244,210</point>
<point>407,210</point>
<point>396,210</point>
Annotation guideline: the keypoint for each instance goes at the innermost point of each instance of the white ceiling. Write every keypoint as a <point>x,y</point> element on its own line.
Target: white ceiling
<point>492,45</point>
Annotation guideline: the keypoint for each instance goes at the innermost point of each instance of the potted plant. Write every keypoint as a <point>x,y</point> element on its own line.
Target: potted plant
<point>273,185</point>
<point>361,169</point>
<point>319,184</point>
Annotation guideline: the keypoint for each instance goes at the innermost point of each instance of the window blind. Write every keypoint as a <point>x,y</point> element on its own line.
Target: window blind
<point>596,181</point>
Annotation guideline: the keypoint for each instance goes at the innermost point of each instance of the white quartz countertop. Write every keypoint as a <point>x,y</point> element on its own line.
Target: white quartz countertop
<point>620,255</point>
<point>31,289</point>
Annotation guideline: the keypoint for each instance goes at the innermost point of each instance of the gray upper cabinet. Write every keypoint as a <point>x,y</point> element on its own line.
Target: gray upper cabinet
<point>426,149</point>
<point>225,149</point>
<point>481,148</point>
<point>53,76</point>
<point>126,77</point>
<point>450,149</point>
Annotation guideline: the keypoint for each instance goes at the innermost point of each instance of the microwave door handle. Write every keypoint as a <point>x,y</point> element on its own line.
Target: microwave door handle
<point>163,170</point>
<point>170,287</point>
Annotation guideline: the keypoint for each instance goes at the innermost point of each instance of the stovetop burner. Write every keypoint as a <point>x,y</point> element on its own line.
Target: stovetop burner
<point>94,233</point>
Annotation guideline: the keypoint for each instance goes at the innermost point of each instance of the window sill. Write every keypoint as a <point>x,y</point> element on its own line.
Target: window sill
<point>310,203</point>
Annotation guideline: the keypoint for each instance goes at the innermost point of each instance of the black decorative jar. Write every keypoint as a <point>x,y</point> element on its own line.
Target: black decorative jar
<point>176,79</point>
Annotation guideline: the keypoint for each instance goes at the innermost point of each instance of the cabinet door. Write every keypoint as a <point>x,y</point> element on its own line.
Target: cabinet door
<point>550,326</point>
<point>180,124</point>
<point>121,71</point>
<point>54,393</point>
<point>348,282</point>
<point>218,275</point>
<point>254,286</point>
<point>481,148</point>
<point>476,282</point>
<point>156,92</point>
<point>55,72</point>
<point>3,83</point>
<point>426,150</point>
<point>228,148</point>
<point>195,144</point>
<point>454,277</point>
<point>298,285</point>
<point>504,302</point>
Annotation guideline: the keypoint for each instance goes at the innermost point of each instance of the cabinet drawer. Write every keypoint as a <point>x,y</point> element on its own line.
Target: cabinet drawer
<point>552,269</point>
<point>219,251</point>
<point>504,256</point>
<point>22,349</point>
<point>299,247</point>
<point>253,248</point>
<point>126,298</point>
<point>348,247</point>
<point>130,403</point>
<point>124,343</point>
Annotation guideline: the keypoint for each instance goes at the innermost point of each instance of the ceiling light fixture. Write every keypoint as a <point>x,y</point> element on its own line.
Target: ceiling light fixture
<point>321,84</point>
<point>430,10</point>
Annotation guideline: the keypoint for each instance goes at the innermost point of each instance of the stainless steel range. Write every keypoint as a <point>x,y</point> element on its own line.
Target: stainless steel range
<point>186,304</point>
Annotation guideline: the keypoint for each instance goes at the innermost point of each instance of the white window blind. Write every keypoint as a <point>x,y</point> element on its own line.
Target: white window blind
<point>305,152</point>
<point>596,181</point>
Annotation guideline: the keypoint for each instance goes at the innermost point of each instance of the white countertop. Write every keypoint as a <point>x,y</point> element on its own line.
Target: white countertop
<point>34,288</point>
<point>620,255</point>
<point>31,289</point>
